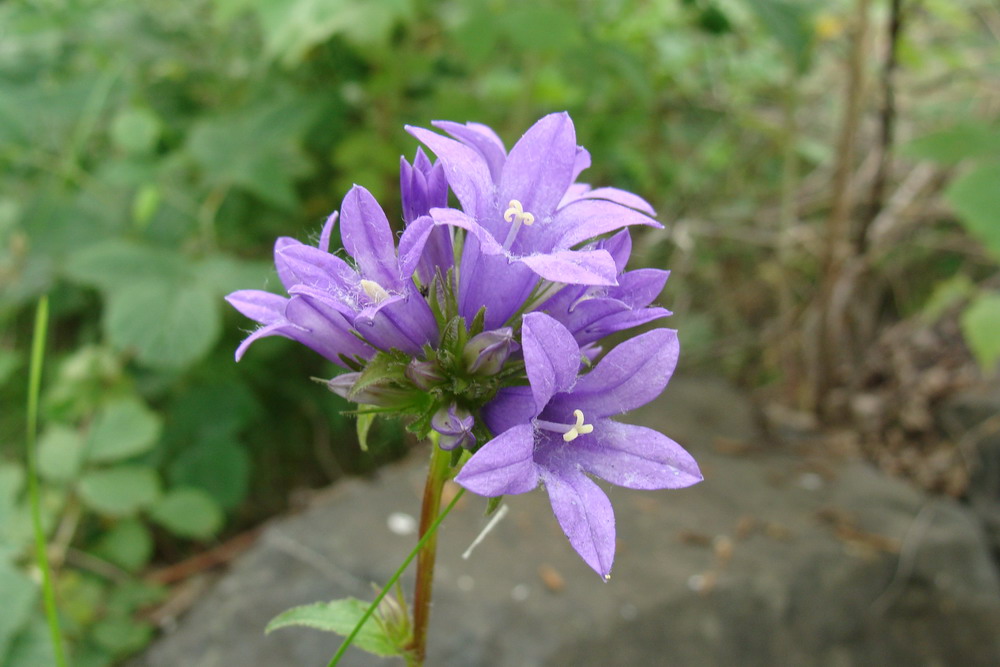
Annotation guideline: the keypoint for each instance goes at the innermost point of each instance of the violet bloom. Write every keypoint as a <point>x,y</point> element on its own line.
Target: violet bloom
<point>330,300</point>
<point>523,213</point>
<point>422,186</point>
<point>593,312</point>
<point>558,430</point>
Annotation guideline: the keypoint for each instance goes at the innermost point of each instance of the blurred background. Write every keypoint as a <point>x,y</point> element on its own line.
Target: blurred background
<point>828,174</point>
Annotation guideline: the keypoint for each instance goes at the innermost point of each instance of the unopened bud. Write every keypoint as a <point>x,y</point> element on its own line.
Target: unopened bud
<point>374,394</point>
<point>487,352</point>
<point>454,424</point>
<point>424,374</point>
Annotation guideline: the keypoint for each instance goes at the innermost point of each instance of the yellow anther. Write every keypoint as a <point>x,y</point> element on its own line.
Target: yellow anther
<point>516,213</point>
<point>374,291</point>
<point>579,428</point>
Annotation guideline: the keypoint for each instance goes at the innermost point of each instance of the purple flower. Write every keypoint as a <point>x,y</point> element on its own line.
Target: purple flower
<point>558,430</point>
<point>422,187</point>
<point>330,299</point>
<point>524,215</point>
<point>454,425</point>
<point>593,312</point>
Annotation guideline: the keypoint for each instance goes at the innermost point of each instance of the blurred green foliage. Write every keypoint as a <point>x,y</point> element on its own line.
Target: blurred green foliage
<point>151,152</point>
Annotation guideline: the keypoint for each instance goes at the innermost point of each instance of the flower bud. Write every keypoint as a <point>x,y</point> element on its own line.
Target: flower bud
<point>422,186</point>
<point>454,424</point>
<point>487,352</point>
<point>424,374</point>
<point>374,394</point>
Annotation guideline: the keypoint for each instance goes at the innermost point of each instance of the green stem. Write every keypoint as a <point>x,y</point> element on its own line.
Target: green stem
<point>437,475</point>
<point>41,548</point>
<point>426,537</point>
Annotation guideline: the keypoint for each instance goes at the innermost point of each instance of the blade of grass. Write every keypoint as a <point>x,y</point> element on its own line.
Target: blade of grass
<point>41,548</point>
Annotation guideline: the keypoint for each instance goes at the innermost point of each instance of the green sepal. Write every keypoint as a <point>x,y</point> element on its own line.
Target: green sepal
<point>384,368</point>
<point>493,504</point>
<point>478,322</point>
<point>456,456</point>
<point>364,424</point>
<point>340,617</point>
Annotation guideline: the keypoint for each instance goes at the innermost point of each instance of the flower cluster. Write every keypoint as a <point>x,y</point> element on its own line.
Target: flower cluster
<point>483,326</point>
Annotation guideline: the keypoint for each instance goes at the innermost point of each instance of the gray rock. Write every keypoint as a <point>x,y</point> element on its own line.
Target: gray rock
<point>767,562</point>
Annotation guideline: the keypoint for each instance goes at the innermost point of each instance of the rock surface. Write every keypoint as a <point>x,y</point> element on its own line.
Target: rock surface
<point>779,557</point>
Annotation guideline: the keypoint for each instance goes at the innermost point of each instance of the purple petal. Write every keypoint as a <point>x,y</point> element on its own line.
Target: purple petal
<point>322,329</point>
<point>302,264</point>
<point>344,303</point>
<point>640,288</point>
<point>456,218</point>
<point>285,273</point>
<point>482,139</point>
<point>587,218</point>
<point>276,329</point>
<point>510,407</point>
<point>631,375</point>
<point>581,162</point>
<point>400,322</point>
<point>614,322</point>
<point>551,357</point>
<point>620,247</point>
<point>259,306</point>
<point>574,267</point>
<point>324,237</point>
<point>583,512</point>
<point>494,282</point>
<point>635,457</point>
<point>622,197</point>
<point>504,465</point>
<point>540,166</point>
<point>467,171</point>
<point>368,238</point>
<point>411,245</point>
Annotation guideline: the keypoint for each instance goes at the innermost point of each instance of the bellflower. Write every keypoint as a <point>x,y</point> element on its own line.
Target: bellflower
<point>329,299</point>
<point>559,429</point>
<point>593,312</point>
<point>422,186</point>
<point>524,215</point>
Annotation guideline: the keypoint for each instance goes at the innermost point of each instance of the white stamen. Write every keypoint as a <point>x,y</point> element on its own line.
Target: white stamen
<point>374,291</point>
<point>578,429</point>
<point>570,432</point>
<point>516,215</point>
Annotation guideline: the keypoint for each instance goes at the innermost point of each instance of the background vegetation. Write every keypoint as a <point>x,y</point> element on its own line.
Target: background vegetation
<point>825,171</point>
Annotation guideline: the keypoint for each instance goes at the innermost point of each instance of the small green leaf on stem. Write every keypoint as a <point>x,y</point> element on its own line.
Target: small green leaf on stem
<point>339,616</point>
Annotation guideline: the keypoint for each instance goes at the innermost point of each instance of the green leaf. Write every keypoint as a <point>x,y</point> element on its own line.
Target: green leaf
<point>124,428</point>
<point>946,294</point>
<point>31,646</point>
<point>976,198</point>
<point>791,25</point>
<point>128,544</point>
<point>113,265</point>
<point>166,325</point>
<point>224,274</point>
<point>120,491</point>
<point>19,595</point>
<point>60,453</point>
<point>144,204</point>
<point>364,424</point>
<point>135,130</point>
<point>15,521</point>
<point>268,164</point>
<point>339,616</point>
<point>121,635</point>
<point>189,513</point>
<point>293,27</point>
<point>981,327</point>
<point>220,467</point>
<point>957,143</point>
